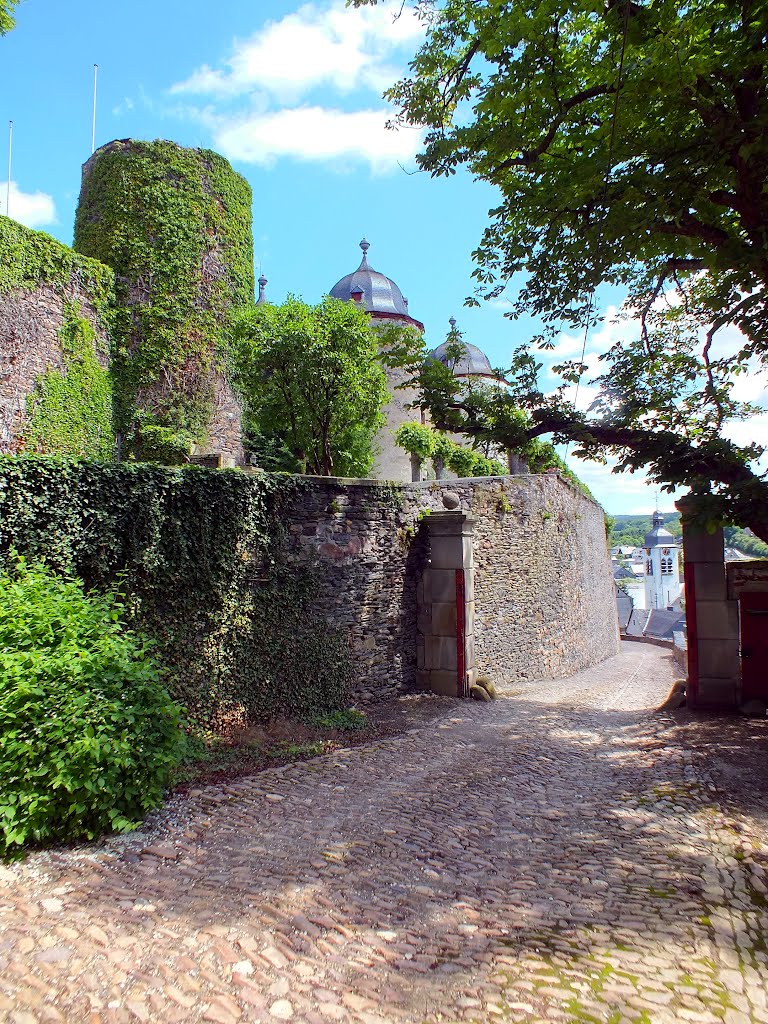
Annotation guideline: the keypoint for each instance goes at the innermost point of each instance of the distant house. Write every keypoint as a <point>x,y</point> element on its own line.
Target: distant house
<point>656,623</point>
<point>628,554</point>
<point>734,555</point>
<point>624,608</point>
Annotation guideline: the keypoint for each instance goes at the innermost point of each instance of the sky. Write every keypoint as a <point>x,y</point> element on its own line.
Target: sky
<point>291,94</point>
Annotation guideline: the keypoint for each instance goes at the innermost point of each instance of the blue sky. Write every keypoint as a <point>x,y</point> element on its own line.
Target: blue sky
<point>291,94</point>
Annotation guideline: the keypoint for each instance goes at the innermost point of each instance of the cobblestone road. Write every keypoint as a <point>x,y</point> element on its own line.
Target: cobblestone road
<point>559,855</point>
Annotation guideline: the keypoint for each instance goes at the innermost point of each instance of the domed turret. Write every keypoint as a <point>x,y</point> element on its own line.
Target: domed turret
<point>474,362</point>
<point>376,293</point>
<point>658,537</point>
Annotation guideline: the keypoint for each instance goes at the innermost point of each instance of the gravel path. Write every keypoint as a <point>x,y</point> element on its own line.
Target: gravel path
<point>563,854</point>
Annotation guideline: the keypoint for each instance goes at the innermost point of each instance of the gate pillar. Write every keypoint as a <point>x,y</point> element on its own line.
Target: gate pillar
<point>446,651</point>
<point>712,623</point>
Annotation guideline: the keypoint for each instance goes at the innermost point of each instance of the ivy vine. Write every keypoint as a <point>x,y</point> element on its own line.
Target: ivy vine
<point>31,258</point>
<point>70,412</point>
<point>175,226</point>
<point>202,558</point>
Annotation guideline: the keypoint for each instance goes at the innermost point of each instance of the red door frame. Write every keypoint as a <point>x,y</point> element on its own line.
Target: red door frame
<point>753,644</point>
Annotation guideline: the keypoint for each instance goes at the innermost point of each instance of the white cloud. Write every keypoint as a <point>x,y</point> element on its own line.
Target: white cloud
<point>125,107</point>
<point>621,493</point>
<point>258,107</point>
<point>33,209</point>
<point>752,387</point>
<point>329,45</point>
<point>316,134</point>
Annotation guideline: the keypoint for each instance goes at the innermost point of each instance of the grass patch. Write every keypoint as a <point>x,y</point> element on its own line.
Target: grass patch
<point>215,759</point>
<point>349,720</point>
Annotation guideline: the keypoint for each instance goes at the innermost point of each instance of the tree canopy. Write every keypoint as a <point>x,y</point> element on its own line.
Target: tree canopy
<point>313,386</point>
<point>7,19</point>
<point>629,145</point>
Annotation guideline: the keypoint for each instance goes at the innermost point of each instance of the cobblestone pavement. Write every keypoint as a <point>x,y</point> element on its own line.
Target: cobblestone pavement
<point>559,855</point>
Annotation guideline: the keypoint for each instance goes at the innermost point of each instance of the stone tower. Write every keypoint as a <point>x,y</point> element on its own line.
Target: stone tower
<point>662,566</point>
<point>384,303</point>
<point>175,226</point>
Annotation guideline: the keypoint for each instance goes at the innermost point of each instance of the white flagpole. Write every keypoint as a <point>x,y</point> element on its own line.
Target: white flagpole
<point>8,184</point>
<point>93,125</point>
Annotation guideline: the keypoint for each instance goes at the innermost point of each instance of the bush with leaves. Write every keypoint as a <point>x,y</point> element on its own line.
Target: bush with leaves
<point>416,438</point>
<point>89,737</point>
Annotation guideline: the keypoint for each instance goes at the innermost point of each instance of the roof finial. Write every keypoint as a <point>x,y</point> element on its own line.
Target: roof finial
<point>452,322</point>
<point>262,290</point>
<point>365,246</point>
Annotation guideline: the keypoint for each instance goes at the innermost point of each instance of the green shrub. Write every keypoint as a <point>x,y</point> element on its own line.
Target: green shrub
<point>416,438</point>
<point>88,735</point>
<point>165,445</point>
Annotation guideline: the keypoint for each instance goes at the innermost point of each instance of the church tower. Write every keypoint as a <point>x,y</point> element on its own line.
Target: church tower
<point>381,298</point>
<point>662,566</point>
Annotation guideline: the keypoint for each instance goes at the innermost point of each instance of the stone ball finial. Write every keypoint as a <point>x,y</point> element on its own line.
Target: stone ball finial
<point>365,245</point>
<point>451,501</point>
<point>452,322</point>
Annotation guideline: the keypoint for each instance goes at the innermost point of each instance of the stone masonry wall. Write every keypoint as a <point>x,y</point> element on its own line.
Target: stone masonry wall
<point>30,322</point>
<point>544,593</point>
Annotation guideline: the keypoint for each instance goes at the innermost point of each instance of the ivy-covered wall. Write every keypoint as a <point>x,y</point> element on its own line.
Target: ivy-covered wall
<point>55,311</point>
<point>175,226</point>
<point>269,592</point>
<point>202,557</point>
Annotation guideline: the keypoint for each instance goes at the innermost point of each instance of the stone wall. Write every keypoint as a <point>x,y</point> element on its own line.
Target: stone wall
<point>30,322</point>
<point>543,587</point>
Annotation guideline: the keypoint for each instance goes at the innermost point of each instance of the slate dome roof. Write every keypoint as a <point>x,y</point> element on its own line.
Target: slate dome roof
<point>379,295</point>
<point>658,537</point>
<point>474,362</point>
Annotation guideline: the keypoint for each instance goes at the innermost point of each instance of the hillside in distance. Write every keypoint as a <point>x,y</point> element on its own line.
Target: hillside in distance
<point>630,531</point>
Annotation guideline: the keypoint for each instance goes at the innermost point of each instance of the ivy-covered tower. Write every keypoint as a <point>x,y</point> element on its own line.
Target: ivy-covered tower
<point>175,226</point>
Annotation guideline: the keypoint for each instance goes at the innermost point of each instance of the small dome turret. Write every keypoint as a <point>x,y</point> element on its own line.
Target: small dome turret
<point>474,362</point>
<point>375,292</point>
<point>658,537</point>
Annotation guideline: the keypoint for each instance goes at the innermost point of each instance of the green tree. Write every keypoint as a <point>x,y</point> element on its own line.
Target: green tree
<point>629,144</point>
<point>313,385</point>
<point>7,19</point>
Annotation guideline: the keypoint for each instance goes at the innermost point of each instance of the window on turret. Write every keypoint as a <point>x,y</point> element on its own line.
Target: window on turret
<point>649,568</point>
<point>666,566</point>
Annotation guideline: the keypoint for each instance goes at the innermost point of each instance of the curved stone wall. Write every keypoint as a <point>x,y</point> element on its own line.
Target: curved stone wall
<point>544,594</point>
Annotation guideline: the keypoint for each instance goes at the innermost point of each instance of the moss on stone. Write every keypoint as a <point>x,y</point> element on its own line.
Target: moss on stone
<point>70,412</point>
<point>29,259</point>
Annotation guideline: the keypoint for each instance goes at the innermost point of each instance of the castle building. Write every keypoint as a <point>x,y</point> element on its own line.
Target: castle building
<point>662,566</point>
<point>381,298</point>
<point>472,363</point>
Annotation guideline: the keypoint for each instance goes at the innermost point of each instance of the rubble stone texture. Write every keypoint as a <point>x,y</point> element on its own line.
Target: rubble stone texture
<point>544,595</point>
<point>561,854</point>
<point>31,318</point>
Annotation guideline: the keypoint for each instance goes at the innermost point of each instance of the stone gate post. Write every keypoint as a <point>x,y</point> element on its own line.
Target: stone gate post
<point>712,623</point>
<point>446,653</point>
